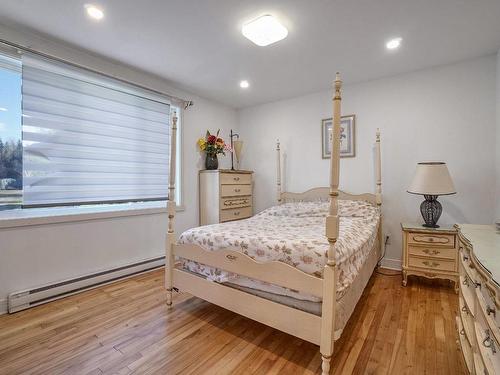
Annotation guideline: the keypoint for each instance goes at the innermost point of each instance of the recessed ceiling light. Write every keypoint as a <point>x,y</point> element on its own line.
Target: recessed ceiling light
<point>264,30</point>
<point>394,43</point>
<point>94,12</point>
<point>244,84</point>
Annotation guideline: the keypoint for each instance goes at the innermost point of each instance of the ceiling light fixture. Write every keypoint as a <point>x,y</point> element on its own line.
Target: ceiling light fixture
<point>244,84</point>
<point>94,12</point>
<point>394,43</point>
<point>264,30</point>
<point>2,109</point>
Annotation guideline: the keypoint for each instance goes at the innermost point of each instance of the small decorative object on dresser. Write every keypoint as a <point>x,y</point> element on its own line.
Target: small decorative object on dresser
<point>431,180</point>
<point>225,195</point>
<point>212,145</point>
<point>431,253</point>
<point>478,319</point>
<point>235,149</point>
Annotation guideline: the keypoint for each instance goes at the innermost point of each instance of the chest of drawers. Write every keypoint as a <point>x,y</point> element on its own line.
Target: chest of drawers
<point>478,319</point>
<point>225,195</point>
<point>431,253</point>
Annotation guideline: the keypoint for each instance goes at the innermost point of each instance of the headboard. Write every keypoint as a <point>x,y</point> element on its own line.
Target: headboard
<point>323,193</point>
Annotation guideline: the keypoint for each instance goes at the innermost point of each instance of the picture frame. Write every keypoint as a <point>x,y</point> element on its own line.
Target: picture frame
<point>347,137</point>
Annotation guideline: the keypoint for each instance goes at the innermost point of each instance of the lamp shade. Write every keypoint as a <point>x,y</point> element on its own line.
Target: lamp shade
<point>432,178</point>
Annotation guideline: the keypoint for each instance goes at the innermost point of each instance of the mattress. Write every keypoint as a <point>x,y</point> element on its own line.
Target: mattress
<point>292,233</point>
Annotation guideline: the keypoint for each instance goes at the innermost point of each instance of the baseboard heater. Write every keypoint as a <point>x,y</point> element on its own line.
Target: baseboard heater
<point>25,299</point>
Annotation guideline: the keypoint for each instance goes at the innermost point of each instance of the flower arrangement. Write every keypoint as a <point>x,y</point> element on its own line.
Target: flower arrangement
<point>213,144</point>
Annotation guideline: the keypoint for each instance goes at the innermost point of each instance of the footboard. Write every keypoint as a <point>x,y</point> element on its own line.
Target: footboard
<point>274,272</point>
<point>287,319</point>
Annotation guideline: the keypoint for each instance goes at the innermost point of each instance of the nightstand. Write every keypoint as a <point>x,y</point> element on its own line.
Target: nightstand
<point>430,252</point>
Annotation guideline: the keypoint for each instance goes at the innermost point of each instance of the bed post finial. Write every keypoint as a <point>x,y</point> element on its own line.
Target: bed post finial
<point>332,234</point>
<point>378,170</point>
<point>278,171</point>
<point>170,240</point>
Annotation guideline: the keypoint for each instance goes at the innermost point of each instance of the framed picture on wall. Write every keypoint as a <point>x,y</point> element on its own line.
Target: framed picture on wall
<point>347,137</point>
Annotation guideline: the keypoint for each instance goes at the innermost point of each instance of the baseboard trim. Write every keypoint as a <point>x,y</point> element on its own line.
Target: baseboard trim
<point>36,296</point>
<point>3,306</point>
<point>392,264</point>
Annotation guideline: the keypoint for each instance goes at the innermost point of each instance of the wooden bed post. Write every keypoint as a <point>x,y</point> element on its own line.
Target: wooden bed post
<point>378,171</point>
<point>378,191</point>
<point>170,240</point>
<point>332,233</point>
<point>278,171</point>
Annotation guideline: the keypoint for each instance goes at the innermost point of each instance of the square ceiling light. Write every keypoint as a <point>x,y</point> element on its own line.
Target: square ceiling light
<point>264,30</point>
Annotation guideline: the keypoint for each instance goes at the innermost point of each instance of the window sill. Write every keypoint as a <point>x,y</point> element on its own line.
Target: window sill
<point>52,215</point>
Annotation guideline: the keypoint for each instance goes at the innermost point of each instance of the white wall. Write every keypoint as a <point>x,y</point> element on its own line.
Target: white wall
<point>32,256</point>
<point>445,113</point>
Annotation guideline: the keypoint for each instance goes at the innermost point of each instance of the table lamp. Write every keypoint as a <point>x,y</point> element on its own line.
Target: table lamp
<point>431,179</point>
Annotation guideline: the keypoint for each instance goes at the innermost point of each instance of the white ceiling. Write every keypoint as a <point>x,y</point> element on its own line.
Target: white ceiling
<point>198,44</point>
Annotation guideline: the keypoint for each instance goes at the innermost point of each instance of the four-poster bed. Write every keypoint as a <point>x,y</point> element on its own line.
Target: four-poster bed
<point>197,256</point>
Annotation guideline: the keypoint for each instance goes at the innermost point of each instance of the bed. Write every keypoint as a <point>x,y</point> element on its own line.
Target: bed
<point>300,266</point>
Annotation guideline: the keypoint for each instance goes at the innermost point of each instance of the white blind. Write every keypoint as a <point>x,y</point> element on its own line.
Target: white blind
<point>89,138</point>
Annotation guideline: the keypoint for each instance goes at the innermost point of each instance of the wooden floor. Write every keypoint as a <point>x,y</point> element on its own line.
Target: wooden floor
<point>126,328</point>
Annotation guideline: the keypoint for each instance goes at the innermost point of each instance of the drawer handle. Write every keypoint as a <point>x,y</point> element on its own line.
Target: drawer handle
<point>466,258</point>
<point>236,178</point>
<point>490,310</point>
<point>237,190</point>
<point>235,203</point>
<point>231,257</point>
<point>488,342</point>
<point>462,332</point>
<point>431,252</point>
<point>466,281</point>
<point>476,284</point>
<point>431,264</point>
<point>237,213</point>
<point>464,309</point>
<point>442,240</point>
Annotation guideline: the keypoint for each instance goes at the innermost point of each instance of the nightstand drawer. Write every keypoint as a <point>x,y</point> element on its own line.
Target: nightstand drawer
<point>235,178</point>
<point>235,190</point>
<point>432,263</point>
<point>235,214</point>
<point>434,252</point>
<point>445,240</point>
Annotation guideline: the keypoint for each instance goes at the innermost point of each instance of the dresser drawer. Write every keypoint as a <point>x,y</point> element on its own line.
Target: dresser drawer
<point>235,214</point>
<point>227,203</point>
<point>235,190</point>
<point>235,178</point>
<point>431,263</point>
<point>445,240</point>
<point>433,252</point>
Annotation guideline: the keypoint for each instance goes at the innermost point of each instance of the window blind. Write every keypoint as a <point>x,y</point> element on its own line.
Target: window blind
<point>90,139</point>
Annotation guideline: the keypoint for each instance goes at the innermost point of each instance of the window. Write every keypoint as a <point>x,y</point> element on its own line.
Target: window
<point>86,138</point>
<point>11,172</point>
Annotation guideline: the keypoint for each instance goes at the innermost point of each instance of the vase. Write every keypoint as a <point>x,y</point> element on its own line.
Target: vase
<point>211,162</point>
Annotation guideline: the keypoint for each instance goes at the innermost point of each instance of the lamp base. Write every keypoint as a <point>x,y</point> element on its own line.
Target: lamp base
<point>431,210</point>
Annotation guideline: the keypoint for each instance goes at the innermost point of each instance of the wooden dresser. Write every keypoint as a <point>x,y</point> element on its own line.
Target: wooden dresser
<point>478,319</point>
<point>430,252</point>
<point>225,195</point>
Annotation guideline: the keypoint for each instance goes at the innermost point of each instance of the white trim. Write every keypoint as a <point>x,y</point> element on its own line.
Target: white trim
<point>24,299</point>
<point>51,215</point>
<point>3,306</point>
<point>391,264</point>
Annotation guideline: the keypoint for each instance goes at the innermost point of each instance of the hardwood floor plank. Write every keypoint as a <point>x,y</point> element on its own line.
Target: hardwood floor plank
<point>125,328</point>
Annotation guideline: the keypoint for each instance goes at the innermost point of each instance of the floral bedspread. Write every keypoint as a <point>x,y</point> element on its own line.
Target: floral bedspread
<point>293,233</point>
